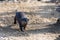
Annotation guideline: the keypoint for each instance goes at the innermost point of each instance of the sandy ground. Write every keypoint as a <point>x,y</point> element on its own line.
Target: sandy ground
<point>45,31</point>
<point>36,32</point>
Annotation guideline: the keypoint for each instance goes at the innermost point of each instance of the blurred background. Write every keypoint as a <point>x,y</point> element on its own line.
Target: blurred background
<point>42,15</point>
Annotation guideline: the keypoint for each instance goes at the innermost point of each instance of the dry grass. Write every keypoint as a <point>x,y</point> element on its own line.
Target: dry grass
<point>27,7</point>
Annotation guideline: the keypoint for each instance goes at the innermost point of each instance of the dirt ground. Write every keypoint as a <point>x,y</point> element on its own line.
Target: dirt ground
<point>44,31</point>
